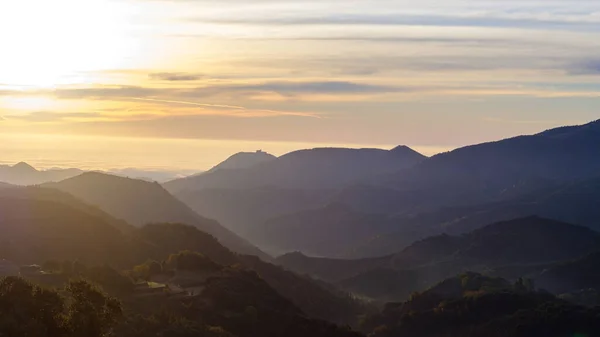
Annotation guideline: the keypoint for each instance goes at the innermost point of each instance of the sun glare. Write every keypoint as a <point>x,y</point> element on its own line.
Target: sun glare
<point>46,43</point>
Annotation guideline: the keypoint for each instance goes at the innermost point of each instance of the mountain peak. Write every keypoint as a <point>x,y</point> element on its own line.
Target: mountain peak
<point>23,166</point>
<point>403,149</point>
<point>243,160</point>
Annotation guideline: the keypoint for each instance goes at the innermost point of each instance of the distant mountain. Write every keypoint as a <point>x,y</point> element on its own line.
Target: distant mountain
<point>158,175</point>
<point>244,210</point>
<point>570,276</point>
<point>139,202</point>
<point>332,270</point>
<point>306,169</point>
<point>497,170</point>
<point>330,231</point>
<point>244,160</point>
<point>24,174</point>
<point>522,242</point>
<point>573,202</point>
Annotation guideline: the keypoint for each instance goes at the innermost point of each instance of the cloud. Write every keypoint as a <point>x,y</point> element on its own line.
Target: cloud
<point>502,20</point>
<point>176,77</point>
<point>325,87</point>
<point>56,116</point>
<point>589,67</point>
<point>279,87</point>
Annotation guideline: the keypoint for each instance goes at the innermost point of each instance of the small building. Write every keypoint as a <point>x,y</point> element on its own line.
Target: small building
<point>147,288</point>
<point>8,268</point>
<point>31,270</point>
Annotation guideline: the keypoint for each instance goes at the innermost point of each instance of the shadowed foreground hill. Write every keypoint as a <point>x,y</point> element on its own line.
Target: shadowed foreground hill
<point>139,202</point>
<point>472,305</point>
<point>246,305</point>
<point>36,229</point>
<point>33,230</point>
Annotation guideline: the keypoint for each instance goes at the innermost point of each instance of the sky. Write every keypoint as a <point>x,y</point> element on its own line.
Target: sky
<point>182,84</point>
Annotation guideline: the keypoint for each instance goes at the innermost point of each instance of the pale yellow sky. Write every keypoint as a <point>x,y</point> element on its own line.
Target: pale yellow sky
<point>287,73</point>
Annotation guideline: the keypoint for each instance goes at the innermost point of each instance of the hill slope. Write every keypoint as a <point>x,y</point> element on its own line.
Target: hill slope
<point>244,210</point>
<point>39,224</point>
<point>522,243</point>
<point>573,202</point>
<point>492,171</point>
<point>472,305</point>
<point>330,231</point>
<point>244,160</point>
<point>140,202</point>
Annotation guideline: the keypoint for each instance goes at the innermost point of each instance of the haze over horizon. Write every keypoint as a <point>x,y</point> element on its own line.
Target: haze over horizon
<point>284,75</point>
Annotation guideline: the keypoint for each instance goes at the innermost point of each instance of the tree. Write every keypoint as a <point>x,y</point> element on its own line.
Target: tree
<point>31,311</point>
<point>110,279</point>
<point>147,269</point>
<point>91,312</point>
<point>188,260</point>
<point>28,310</point>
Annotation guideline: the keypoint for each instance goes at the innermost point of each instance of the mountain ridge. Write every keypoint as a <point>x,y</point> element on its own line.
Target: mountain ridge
<point>308,168</point>
<point>140,202</point>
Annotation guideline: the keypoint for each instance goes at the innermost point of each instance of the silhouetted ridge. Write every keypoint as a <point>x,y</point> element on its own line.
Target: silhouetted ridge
<point>140,202</point>
<point>24,174</point>
<point>307,169</point>
<point>244,160</point>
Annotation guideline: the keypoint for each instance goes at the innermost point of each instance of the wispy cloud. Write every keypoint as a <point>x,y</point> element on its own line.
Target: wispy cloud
<point>502,20</point>
<point>278,87</point>
<point>176,77</point>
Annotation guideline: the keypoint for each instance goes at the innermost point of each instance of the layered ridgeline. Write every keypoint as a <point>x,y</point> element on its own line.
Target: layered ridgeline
<point>393,198</point>
<point>498,170</point>
<point>521,247</point>
<point>334,230</point>
<point>25,174</point>
<point>245,198</point>
<point>140,202</point>
<point>244,296</point>
<point>314,169</point>
<point>574,202</point>
<point>42,224</point>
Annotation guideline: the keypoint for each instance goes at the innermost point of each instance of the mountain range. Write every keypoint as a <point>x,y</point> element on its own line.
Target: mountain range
<point>365,203</point>
<point>305,169</point>
<point>23,174</point>
<point>497,239</point>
